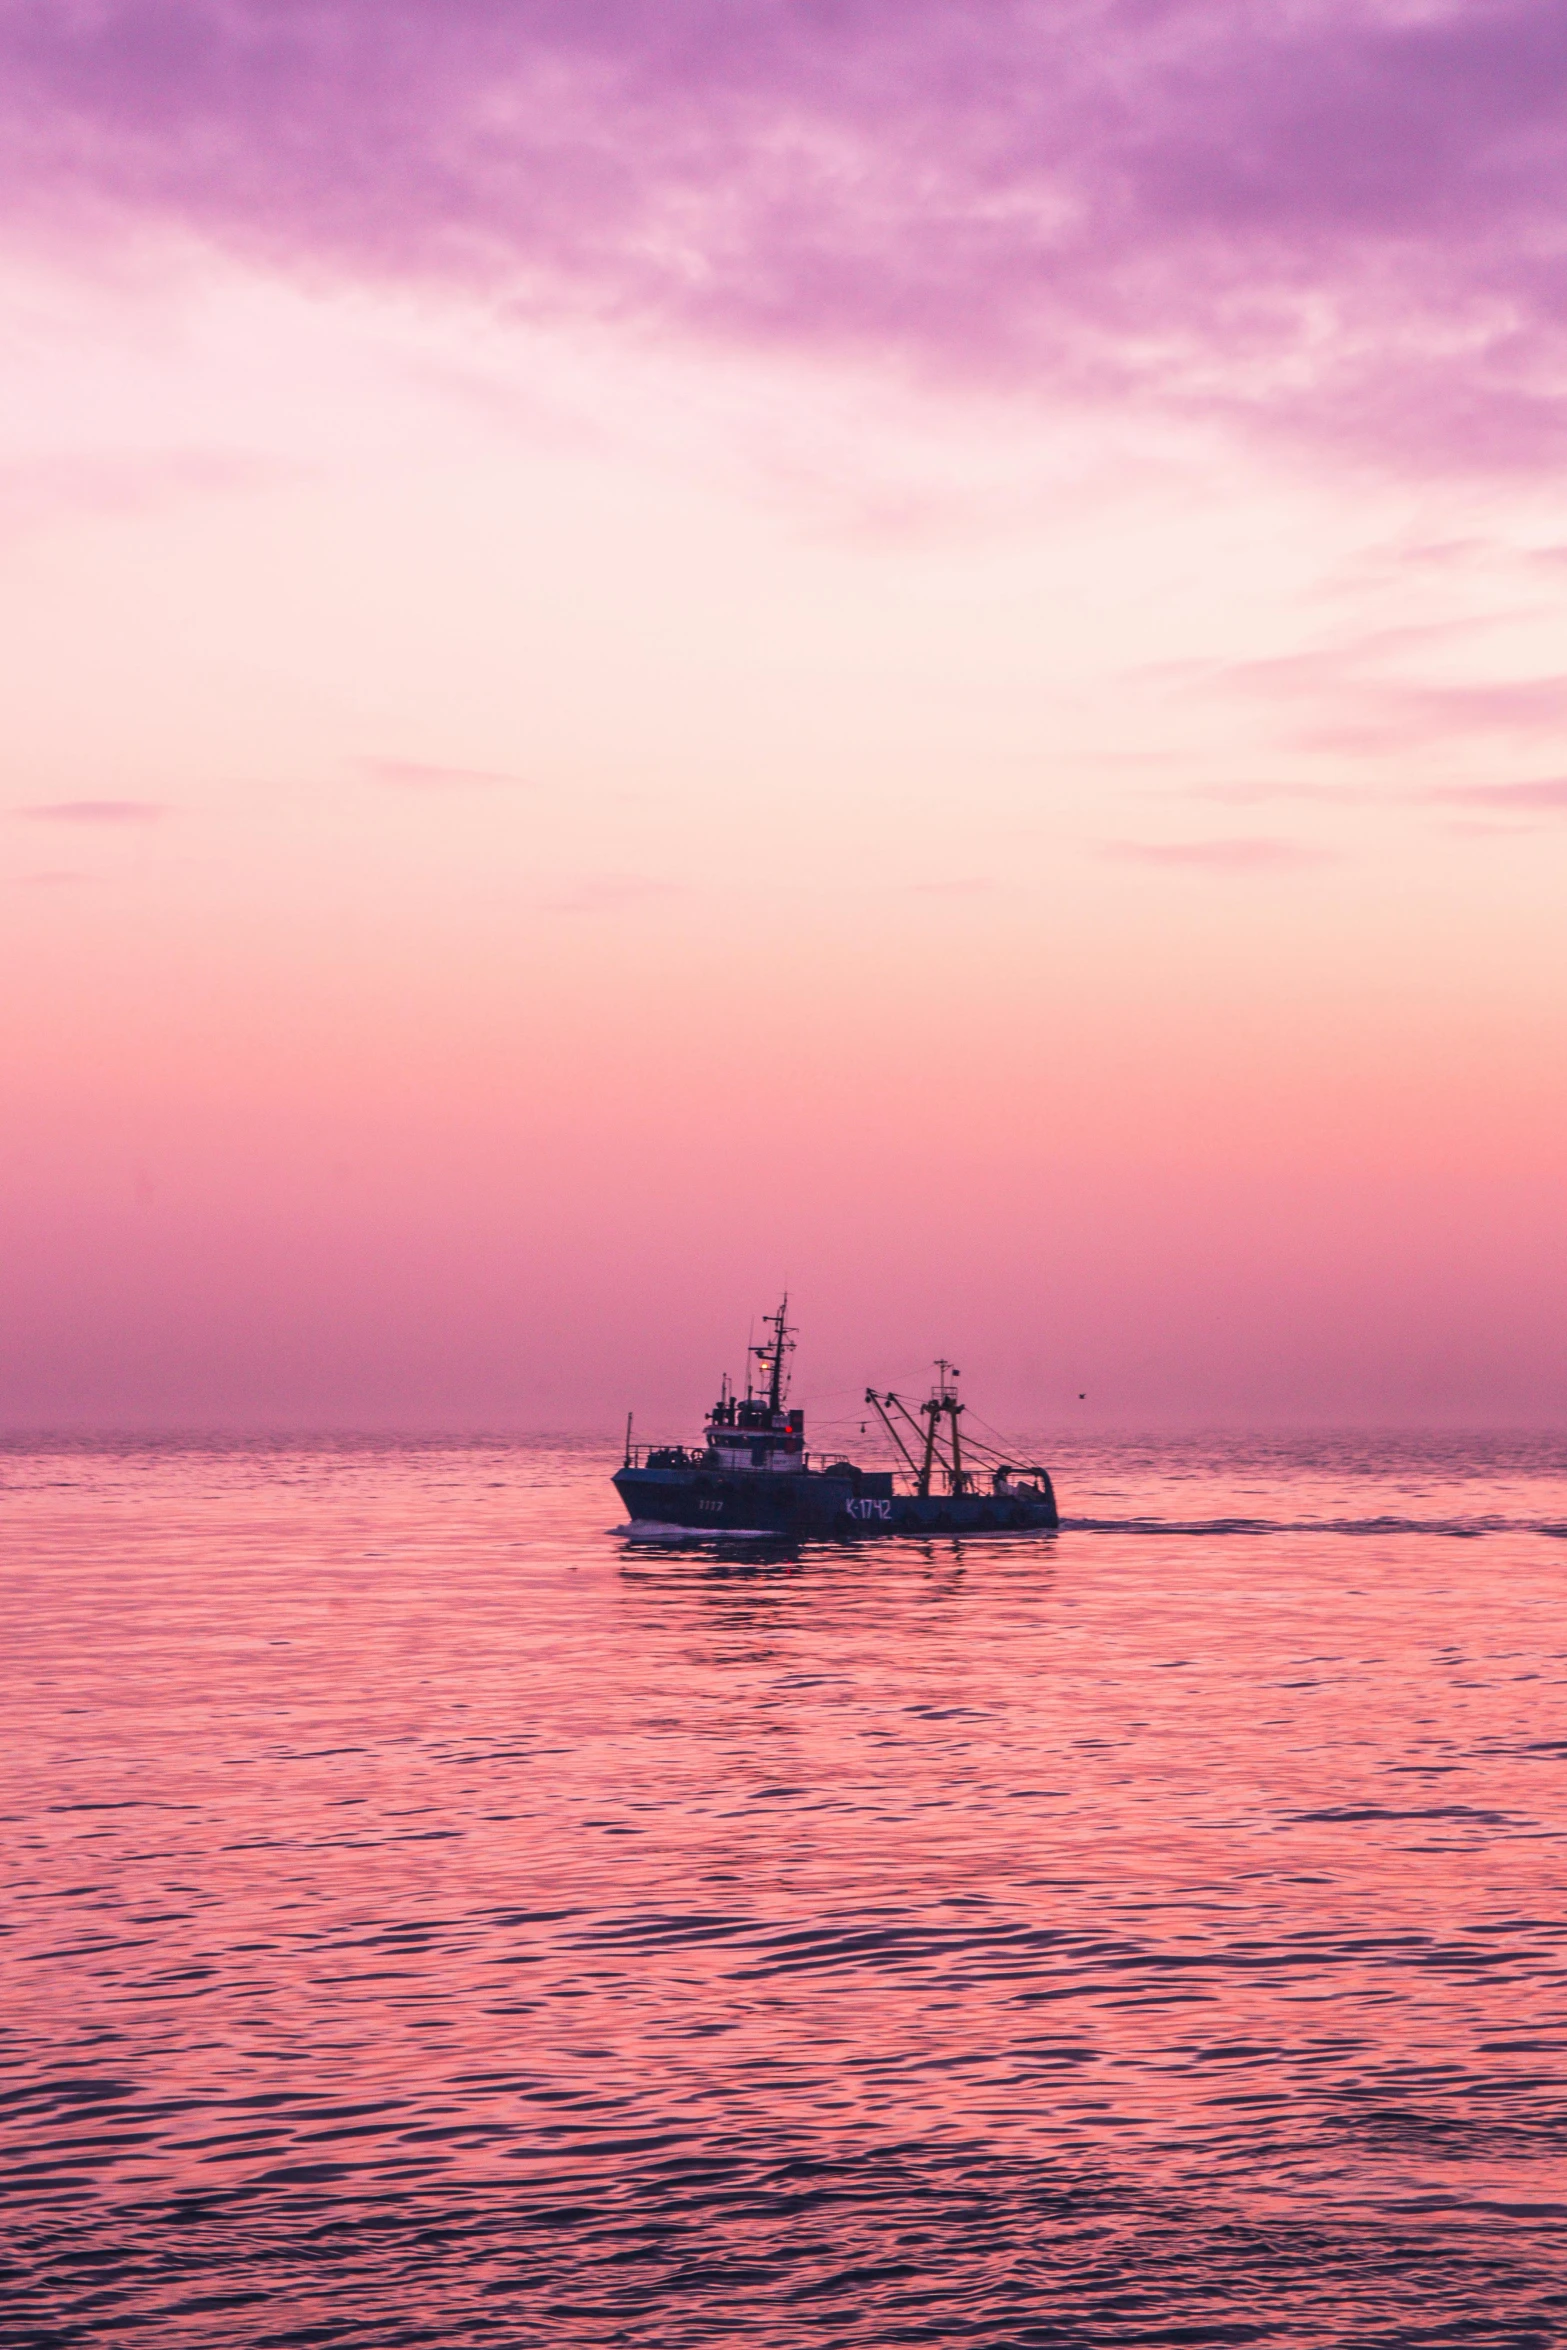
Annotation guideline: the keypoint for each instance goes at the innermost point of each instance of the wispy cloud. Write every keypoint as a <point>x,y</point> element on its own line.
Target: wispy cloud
<point>1350,698</point>
<point>1219,856</point>
<point>1547,796</point>
<point>1524,705</point>
<point>1470,829</point>
<point>55,486</point>
<point>1257,795</point>
<point>1527,798</point>
<point>1340,217</point>
<point>94,812</point>
<point>427,775</point>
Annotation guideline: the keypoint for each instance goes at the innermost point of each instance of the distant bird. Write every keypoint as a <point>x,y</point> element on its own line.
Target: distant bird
<point>1082,1395</point>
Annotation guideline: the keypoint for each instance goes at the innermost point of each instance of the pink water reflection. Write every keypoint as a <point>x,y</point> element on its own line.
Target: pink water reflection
<point>395,1849</point>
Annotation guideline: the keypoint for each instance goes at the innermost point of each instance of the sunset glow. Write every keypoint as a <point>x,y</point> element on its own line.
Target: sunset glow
<point>656,649</point>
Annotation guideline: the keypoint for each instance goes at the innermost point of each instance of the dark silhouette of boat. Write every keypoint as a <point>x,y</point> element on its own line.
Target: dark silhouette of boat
<point>752,1474</point>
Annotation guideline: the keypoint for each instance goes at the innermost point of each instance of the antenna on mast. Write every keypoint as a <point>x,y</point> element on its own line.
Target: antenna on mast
<point>772,1357</point>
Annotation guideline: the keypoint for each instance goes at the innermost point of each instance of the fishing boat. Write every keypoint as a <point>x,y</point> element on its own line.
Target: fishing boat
<point>752,1474</point>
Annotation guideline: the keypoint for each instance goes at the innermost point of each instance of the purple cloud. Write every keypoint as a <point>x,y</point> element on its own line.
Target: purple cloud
<point>94,812</point>
<point>1341,216</point>
<point>1218,856</point>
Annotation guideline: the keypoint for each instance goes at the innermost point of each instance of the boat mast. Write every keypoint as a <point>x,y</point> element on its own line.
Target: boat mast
<point>959,1473</point>
<point>772,1357</point>
<point>883,1408</point>
<point>932,1412</point>
<point>943,1405</point>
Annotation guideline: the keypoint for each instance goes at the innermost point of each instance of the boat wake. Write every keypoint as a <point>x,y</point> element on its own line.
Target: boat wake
<point>648,1530</point>
<point>1454,1529</point>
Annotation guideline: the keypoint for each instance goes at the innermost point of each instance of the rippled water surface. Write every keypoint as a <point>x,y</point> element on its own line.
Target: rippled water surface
<point>433,1919</point>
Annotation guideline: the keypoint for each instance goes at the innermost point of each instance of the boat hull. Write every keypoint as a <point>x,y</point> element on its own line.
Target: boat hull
<point>792,1507</point>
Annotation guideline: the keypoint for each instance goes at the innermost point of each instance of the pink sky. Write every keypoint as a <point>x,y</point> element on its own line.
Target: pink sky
<point>653,648</point>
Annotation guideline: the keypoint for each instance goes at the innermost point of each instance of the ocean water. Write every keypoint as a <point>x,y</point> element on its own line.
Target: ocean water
<point>431,1918</point>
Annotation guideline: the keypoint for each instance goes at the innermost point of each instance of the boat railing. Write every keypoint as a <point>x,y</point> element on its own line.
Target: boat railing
<point>664,1456</point>
<point>686,1456</point>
